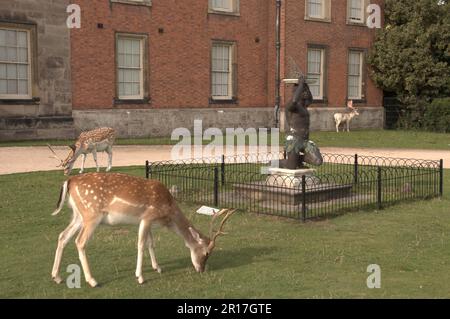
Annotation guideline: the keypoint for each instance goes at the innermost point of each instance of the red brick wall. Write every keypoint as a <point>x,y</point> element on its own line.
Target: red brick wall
<point>338,37</point>
<point>179,59</point>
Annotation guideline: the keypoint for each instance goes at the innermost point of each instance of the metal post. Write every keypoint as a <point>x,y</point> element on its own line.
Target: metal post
<point>379,189</point>
<point>441,178</point>
<point>356,169</point>
<point>216,187</point>
<point>304,198</point>
<point>278,64</point>
<point>147,169</point>
<point>223,170</point>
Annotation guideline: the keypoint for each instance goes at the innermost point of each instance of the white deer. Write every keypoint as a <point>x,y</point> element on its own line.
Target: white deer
<point>98,140</point>
<point>346,118</point>
<point>115,199</point>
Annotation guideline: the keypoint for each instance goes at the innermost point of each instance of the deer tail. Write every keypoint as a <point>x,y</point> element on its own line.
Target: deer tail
<point>62,198</point>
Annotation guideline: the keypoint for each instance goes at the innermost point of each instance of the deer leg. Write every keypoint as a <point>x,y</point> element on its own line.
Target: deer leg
<point>151,247</point>
<point>83,160</point>
<point>94,154</point>
<point>109,151</point>
<point>348,126</point>
<point>81,241</point>
<point>144,228</point>
<point>337,126</point>
<point>63,239</point>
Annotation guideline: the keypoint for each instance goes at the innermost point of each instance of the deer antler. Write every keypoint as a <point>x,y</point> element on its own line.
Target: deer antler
<point>222,223</point>
<point>55,156</point>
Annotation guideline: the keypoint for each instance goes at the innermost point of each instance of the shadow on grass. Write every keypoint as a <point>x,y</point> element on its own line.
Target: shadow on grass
<point>223,259</point>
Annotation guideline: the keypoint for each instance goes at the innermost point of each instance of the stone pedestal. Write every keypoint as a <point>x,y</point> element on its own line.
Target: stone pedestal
<point>291,178</point>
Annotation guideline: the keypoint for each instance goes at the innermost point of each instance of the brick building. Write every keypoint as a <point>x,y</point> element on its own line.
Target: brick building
<point>146,67</point>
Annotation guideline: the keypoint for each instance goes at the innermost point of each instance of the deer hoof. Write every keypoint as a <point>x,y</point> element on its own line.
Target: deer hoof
<point>140,280</point>
<point>92,283</point>
<point>157,269</point>
<point>57,279</point>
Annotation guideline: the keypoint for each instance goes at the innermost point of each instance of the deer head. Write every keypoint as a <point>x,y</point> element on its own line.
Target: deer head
<point>205,245</point>
<point>353,110</point>
<point>68,162</point>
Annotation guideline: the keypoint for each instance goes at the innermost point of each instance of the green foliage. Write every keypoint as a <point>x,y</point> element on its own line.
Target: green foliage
<point>437,116</point>
<point>411,55</point>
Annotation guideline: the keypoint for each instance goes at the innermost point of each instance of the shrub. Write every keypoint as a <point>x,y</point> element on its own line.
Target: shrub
<point>437,116</point>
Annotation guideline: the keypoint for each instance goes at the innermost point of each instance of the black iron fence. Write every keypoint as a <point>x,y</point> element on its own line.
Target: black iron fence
<point>343,183</point>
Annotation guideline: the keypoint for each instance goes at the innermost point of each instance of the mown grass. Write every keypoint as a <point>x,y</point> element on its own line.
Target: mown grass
<point>261,257</point>
<point>356,139</point>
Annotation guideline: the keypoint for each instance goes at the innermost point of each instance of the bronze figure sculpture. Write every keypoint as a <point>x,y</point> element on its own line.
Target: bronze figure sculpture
<point>299,149</point>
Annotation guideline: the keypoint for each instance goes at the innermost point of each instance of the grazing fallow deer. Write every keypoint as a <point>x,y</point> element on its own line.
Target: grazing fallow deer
<point>115,199</point>
<point>340,118</point>
<point>98,140</point>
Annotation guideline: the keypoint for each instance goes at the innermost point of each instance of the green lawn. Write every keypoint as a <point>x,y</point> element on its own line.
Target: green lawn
<point>261,257</point>
<point>365,139</point>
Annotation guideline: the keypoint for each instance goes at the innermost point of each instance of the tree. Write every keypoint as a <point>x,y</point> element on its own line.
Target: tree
<point>411,54</point>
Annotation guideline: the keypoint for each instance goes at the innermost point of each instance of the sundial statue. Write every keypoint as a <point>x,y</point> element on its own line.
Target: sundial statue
<point>299,149</point>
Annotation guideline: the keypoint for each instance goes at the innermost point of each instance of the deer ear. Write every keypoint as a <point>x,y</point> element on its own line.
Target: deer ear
<point>196,236</point>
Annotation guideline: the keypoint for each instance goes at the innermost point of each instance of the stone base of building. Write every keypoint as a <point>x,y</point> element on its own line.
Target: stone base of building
<point>36,128</point>
<point>162,122</point>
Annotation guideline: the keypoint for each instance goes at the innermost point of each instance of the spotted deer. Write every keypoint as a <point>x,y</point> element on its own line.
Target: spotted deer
<point>346,118</point>
<point>116,199</point>
<point>98,140</point>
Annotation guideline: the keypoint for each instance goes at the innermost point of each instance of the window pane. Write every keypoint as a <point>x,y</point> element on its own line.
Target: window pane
<point>136,47</point>
<point>2,37</point>
<point>121,89</point>
<point>11,38</point>
<point>120,76</point>
<point>3,86</point>
<point>135,89</point>
<point>11,71</point>
<point>12,86</point>
<point>22,71</point>
<point>135,76</point>
<point>127,76</point>
<point>22,39</point>
<point>136,61</point>
<point>128,89</point>
<point>23,55</point>
<point>2,71</point>
<point>23,87</point>
<point>121,60</point>
<point>3,54</point>
<point>11,54</point>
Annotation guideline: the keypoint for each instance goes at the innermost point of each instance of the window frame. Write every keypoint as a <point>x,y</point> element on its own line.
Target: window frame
<point>232,76</point>
<point>143,77</point>
<point>362,81</point>
<point>323,74</point>
<point>364,14</point>
<point>147,3</point>
<point>235,8</point>
<point>30,62</point>
<point>326,12</point>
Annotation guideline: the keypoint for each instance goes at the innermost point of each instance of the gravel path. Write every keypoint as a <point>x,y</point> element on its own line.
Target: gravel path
<point>37,158</point>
